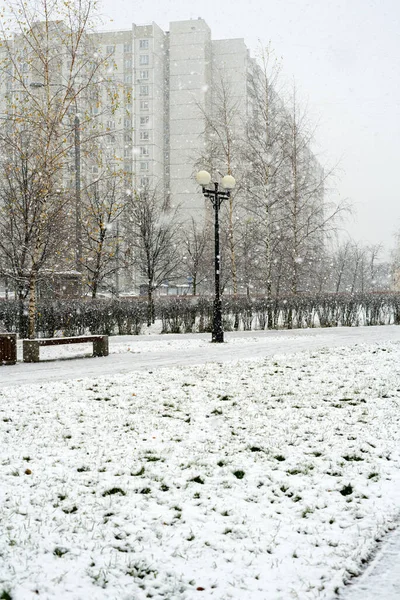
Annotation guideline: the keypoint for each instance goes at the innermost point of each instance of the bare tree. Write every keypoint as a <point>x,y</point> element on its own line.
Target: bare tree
<point>32,216</point>
<point>50,67</point>
<point>225,130</point>
<point>155,243</point>
<point>306,218</point>
<point>104,204</point>
<point>265,160</point>
<point>197,259</point>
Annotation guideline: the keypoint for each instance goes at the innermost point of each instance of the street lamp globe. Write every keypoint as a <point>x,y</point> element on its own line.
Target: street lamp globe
<point>228,182</point>
<point>203,178</point>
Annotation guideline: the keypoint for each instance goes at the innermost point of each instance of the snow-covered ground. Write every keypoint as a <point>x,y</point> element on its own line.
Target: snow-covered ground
<point>263,479</point>
<point>144,352</point>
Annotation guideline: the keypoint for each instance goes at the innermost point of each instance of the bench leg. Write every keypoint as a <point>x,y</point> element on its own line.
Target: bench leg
<point>8,348</point>
<point>100,347</point>
<point>30,350</point>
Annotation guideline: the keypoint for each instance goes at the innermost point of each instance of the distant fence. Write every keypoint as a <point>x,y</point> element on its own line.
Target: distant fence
<point>194,314</point>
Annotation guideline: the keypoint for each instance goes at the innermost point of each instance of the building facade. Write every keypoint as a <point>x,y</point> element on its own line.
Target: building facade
<point>172,77</point>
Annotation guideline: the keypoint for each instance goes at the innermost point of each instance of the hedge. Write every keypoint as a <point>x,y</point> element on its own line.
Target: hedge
<point>194,314</point>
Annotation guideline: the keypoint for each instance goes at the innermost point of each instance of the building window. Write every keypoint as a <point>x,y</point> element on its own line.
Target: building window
<point>143,44</point>
<point>127,152</point>
<point>144,181</point>
<point>127,137</point>
<point>144,121</point>
<point>144,105</point>
<point>144,59</point>
<point>110,125</point>
<point>144,135</point>
<point>144,166</point>
<point>127,47</point>
<point>144,74</point>
<point>144,90</point>
<point>127,123</point>
<point>110,49</point>
<point>128,78</point>
<point>144,151</point>
<point>128,63</point>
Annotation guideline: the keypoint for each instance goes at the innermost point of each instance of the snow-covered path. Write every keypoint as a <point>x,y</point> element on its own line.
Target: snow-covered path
<point>381,579</point>
<point>131,353</point>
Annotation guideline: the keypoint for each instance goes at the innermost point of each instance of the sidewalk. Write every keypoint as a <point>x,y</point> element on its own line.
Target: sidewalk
<point>381,579</point>
<point>147,352</point>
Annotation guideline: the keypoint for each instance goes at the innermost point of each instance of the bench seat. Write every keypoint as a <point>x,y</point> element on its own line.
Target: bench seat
<point>30,348</point>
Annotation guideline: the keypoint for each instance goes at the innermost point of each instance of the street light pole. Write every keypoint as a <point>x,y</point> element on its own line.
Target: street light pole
<point>78,217</point>
<point>216,196</point>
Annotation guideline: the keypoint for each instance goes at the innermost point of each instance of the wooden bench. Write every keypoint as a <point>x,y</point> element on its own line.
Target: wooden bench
<point>31,347</point>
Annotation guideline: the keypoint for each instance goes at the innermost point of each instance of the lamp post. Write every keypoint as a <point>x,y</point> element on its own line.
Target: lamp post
<point>216,196</point>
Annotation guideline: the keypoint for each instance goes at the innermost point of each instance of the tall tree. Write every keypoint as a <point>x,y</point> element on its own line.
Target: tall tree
<point>224,130</point>
<point>306,217</point>
<point>155,243</point>
<point>104,204</point>
<point>52,75</point>
<point>265,160</point>
<point>196,254</point>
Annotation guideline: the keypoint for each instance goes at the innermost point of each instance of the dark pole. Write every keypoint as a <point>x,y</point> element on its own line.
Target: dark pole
<point>78,222</point>
<point>216,196</point>
<point>217,333</point>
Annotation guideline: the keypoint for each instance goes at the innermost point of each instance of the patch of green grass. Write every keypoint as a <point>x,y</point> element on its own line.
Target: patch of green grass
<point>255,449</point>
<point>197,479</point>
<point>279,457</point>
<point>83,469</point>
<point>58,551</point>
<point>164,487</point>
<point>114,490</point>
<point>239,474</point>
<point>225,398</point>
<point>216,411</point>
<point>70,511</point>
<point>5,595</point>
<point>347,490</point>
<point>145,490</point>
<point>373,475</point>
<point>353,457</point>
<point>138,473</point>
<point>141,570</point>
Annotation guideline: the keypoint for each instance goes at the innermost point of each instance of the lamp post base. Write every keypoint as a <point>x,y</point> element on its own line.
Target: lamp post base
<point>217,337</point>
<point>217,331</point>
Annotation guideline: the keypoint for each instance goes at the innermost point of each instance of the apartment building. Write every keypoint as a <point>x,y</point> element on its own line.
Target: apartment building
<point>172,76</point>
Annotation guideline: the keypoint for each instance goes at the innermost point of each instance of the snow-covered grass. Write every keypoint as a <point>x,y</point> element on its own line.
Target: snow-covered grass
<point>261,480</point>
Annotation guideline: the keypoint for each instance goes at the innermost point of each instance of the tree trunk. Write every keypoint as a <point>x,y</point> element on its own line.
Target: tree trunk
<point>32,307</point>
<point>150,307</point>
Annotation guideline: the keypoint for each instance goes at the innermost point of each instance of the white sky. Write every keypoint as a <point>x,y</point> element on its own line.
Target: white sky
<point>344,56</point>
